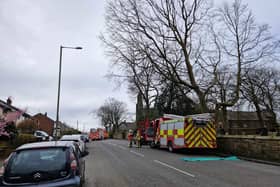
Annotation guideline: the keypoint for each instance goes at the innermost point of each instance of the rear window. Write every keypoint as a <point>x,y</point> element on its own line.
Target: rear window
<point>37,165</point>
<point>200,123</point>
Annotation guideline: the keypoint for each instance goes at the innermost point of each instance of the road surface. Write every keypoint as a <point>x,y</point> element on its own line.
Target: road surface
<point>112,164</point>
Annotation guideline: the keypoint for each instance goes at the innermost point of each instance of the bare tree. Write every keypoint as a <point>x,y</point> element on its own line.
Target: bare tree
<point>270,99</point>
<point>189,44</point>
<point>112,113</point>
<point>244,43</point>
<point>251,89</point>
<point>166,33</point>
<point>261,88</point>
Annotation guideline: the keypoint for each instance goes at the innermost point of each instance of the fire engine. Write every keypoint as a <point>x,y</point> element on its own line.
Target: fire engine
<point>98,134</point>
<point>148,130</point>
<point>178,132</point>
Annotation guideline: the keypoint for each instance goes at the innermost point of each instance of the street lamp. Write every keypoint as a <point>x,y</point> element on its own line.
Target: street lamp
<point>58,91</point>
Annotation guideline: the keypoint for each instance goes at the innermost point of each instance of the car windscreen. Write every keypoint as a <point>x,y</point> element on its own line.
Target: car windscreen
<point>36,165</point>
<point>44,133</point>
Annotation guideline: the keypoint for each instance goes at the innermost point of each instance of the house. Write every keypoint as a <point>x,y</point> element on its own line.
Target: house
<point>44,123</point>
<point>6,107</point>
<point>123,129</point>
<point>244,122</point>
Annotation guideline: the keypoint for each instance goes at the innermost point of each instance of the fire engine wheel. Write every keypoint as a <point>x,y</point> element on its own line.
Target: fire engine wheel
<point>153,145</point>
<point>170,147</point>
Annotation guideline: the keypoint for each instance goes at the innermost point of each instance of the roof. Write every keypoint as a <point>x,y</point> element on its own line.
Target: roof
<point>71,137</point>
<point>127,126</point>
<point>44,115</point>
<point>248,116</point>
<point>5,105</point>
<point>45,145</point>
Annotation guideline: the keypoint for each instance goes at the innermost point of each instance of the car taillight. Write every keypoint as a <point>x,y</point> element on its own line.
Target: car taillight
<point>73,165</point>
<point>2,169</point>
<point>73,162</point>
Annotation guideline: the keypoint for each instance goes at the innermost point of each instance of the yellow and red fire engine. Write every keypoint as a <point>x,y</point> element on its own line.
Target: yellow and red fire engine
<point>194,131</point>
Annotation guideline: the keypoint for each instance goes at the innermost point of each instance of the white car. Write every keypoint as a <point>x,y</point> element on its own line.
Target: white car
<point>75,138</point>
<point>42,136</point>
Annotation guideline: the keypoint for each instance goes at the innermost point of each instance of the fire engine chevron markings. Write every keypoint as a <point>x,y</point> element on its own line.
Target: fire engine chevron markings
<point>211,129</point>
<point>139,154</point>
<point>172,167</point>
<point>188,128</point>
<point>205,134</point>
<point>189,133</point>
<point>194,137</point>
<point>195,142</point>
<point>205,141</point>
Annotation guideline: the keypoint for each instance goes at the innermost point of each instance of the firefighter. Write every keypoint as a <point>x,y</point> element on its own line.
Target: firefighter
<point>138,138</point>
<point>130,137</point>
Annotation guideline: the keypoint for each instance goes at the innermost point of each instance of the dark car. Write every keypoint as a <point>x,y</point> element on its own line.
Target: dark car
<point>45,164</point>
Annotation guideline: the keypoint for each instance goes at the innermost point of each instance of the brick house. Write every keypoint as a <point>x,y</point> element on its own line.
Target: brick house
<point>44,123</point>
<point>6,107</point>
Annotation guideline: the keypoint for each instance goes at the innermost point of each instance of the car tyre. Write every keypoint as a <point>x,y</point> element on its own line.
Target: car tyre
<point>170,147</point>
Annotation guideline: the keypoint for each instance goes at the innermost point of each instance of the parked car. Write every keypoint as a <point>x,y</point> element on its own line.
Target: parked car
<point>76,138</point>
<point>86,138</point>
<point>44,164</point>
<point>42,136</point>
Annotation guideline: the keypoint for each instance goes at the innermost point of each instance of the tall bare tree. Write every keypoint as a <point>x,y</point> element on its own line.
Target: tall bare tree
<point>244,43</point>
<point>190,44</point>
<point>112,113</point>
<point>166,33</point>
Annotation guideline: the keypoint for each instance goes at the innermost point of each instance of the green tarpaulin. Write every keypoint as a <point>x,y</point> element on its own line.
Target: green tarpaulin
<point>194,159</point>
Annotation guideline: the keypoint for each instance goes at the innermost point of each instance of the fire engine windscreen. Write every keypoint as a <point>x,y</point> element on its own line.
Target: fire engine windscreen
<point>150,132</point>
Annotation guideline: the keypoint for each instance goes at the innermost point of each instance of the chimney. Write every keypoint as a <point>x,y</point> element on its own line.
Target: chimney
<point>46,114</point>
<point>9,101</point>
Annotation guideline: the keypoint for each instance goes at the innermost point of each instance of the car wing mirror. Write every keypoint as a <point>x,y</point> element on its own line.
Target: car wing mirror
<point>85,153</point>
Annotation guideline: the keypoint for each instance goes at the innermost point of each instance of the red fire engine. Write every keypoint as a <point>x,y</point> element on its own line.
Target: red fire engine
<point>148,130</point>
<point>98,134</point>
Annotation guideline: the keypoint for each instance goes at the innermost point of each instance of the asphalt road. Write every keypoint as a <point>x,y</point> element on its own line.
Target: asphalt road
<point>112,164</point>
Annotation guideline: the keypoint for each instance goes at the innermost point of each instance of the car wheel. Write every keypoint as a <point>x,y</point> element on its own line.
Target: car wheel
<point>153,145</point>
<point>170,147</point>
<point>83,177</point>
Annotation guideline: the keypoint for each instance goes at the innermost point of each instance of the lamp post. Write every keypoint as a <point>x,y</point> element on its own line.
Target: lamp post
<point>58,90</point>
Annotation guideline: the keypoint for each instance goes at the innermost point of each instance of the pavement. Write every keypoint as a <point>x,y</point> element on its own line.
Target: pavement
<point>112,164</point>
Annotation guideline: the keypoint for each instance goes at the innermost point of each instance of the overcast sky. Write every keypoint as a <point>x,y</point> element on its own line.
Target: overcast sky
<point>31,32</point>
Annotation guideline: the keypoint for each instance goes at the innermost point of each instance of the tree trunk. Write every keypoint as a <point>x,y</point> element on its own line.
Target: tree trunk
<point>259,113</point>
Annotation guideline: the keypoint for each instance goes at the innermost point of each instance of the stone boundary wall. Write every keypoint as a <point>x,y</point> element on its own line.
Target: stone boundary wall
<point>258,147</point>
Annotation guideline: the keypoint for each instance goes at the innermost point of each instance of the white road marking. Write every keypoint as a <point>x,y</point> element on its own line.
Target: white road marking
<point>139,154</point>
<point>169,166</point>
<point>122,147</point>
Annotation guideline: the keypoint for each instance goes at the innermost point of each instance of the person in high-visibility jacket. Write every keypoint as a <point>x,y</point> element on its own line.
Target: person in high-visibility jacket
<point>130,137</point>
<point>138,138</point>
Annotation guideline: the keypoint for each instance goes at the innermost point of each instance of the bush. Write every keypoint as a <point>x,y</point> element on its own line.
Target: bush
<point>27,126</point>
<point>23,139</point>
<point>69,132</point>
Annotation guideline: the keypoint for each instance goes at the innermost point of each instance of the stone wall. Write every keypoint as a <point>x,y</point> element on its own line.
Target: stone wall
<point>258,147</point>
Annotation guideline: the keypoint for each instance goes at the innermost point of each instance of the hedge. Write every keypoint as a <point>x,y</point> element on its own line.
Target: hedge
<point>23,139</point>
